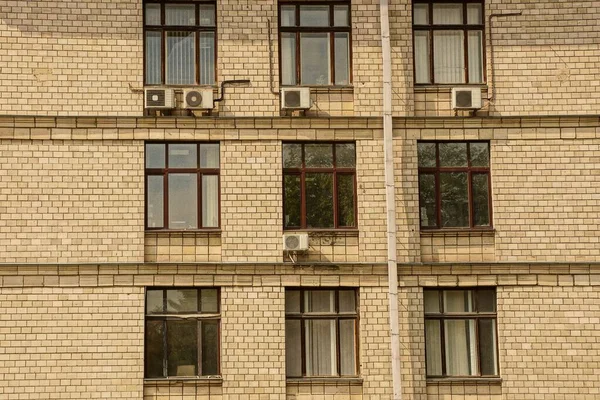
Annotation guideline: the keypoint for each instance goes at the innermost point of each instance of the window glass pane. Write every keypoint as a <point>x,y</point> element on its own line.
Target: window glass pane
<point>481,195</point>
<point>155,201</point>
<point>180,58</point>
<point>319,200</point>
<point>453,154</point>
<point>182,300</point>
<point>154,349</point>
<point>318,155</point>
<point>182,348</point>
<point>475,56</point>
<point>288,16</point>
<point>347,347</point>
<point>487,347</point>
<point>342,58</point>
<point>318,301</point>
<point>474,14</point>
<point>461,347</point>
<point>292,155</point>
<point>427,201</point>
<point>341,16</point>
<point>314,15</point>
<point>345,155</point>
<point>447,14</point>
<point>422,57</point>
<point>154,301</point>
<point>292,301</point>
<point>314,56</point>
<point>183,156</point>
<point>180,14</point>
<point>486,300</point>
<point>458,301</point>
<point>291,200</point>
<point>210,201</point>
<point>347,300</point>
<point>480,154</point>
<point>183,201</point>
<point>320,347</point>
<point>209,155</point>
<point>421,14</point>
<point>210,348</point>
<point>209,300</point>
<point>455,204</point>
<point>431,299</point>
<point>288,58</point>
<point>153,58</point>
<point>293,348</point>
<point>448,57</point>
<point>152,14</point>
<point>433,347</point>
<point>426,154</point>
<point>207,58</point>
<point>155,155</point>
<point>207,15</point>
<point>345,200</point>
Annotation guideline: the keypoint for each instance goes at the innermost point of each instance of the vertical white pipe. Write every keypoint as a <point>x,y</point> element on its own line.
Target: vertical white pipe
<point>390,199</point>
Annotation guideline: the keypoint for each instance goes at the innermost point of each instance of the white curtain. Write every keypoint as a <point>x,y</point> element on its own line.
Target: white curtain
<point>320,347</point>
<point>314,58</point>
<point>153,44</point>
<point>459,335</point>
<point>288,58</point>
<point>210,201</point>
<point>448,57</point>
<point>475,57</point>
<point>342,59</point>
<point>207,58</point>
<point>422,57</point>
<point>433,347</point>
<point>347,347</point>
<point>180,14</point>
<point>180,65</point>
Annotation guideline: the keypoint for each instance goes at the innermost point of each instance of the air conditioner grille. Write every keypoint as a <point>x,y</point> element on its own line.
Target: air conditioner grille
<point>292,98</point>
<point>155,98</point>
<point>292,242</point>
<point>193,98</point>
<point>464,98</point>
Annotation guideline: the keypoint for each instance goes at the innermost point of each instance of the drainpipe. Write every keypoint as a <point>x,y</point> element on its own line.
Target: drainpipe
<point>390,199</point>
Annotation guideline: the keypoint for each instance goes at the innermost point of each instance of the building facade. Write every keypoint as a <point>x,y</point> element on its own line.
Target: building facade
<point>141,248</point>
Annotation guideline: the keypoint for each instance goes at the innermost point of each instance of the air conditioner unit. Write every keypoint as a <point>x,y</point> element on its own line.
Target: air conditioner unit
<point>295,98</point>
<point>466,98</point>
<point>198,99</point>
<point>159,98</point>
<point>295,241</point>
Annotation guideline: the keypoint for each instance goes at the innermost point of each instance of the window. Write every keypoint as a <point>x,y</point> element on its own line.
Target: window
<point>182,332</point>
<point>320,332</point>
<point>460,332</point>
<point>315,43</point>
<point>319,185</point>
<point>454,184</point>
<point>179,43</point>
<point>182,185</point>
<point>448,41</point>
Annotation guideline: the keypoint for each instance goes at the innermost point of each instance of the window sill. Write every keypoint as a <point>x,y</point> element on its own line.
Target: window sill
<point>464,381</point>
<point>487,232</point>
<point>191,232</point>
<point>200,381</point>
<point>352,232</point>
<point>445,87</point>
<point>325,381</point>
<point>323,89</point>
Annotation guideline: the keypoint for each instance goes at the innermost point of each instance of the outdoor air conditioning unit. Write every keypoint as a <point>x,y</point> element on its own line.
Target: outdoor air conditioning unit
<point>198,99</point>
<point>295,241</point>
<point>295,98</point>
<point>466,98</point>
<point>159,98</point>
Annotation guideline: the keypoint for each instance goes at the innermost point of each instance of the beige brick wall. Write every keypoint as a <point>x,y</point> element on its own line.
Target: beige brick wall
<point>71,201</point>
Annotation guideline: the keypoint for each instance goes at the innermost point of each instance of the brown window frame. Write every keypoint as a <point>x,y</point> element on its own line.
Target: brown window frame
<point>316,29</point>
<point>166,316</point>
<point>465,27</point>
<point>163,28</point>
<point>337,315</point>
<point>200,172</point>
<point>470,170</point>
<point>335,171</point>
<point>476,315</point>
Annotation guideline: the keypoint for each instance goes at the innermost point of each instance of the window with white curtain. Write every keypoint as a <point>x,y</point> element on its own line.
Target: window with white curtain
<point>448,41</point>
<point>179,42</point>
<point>182,186</point>
<point>314,43</point>
<point>320,332</point>
<point>460,332</point>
